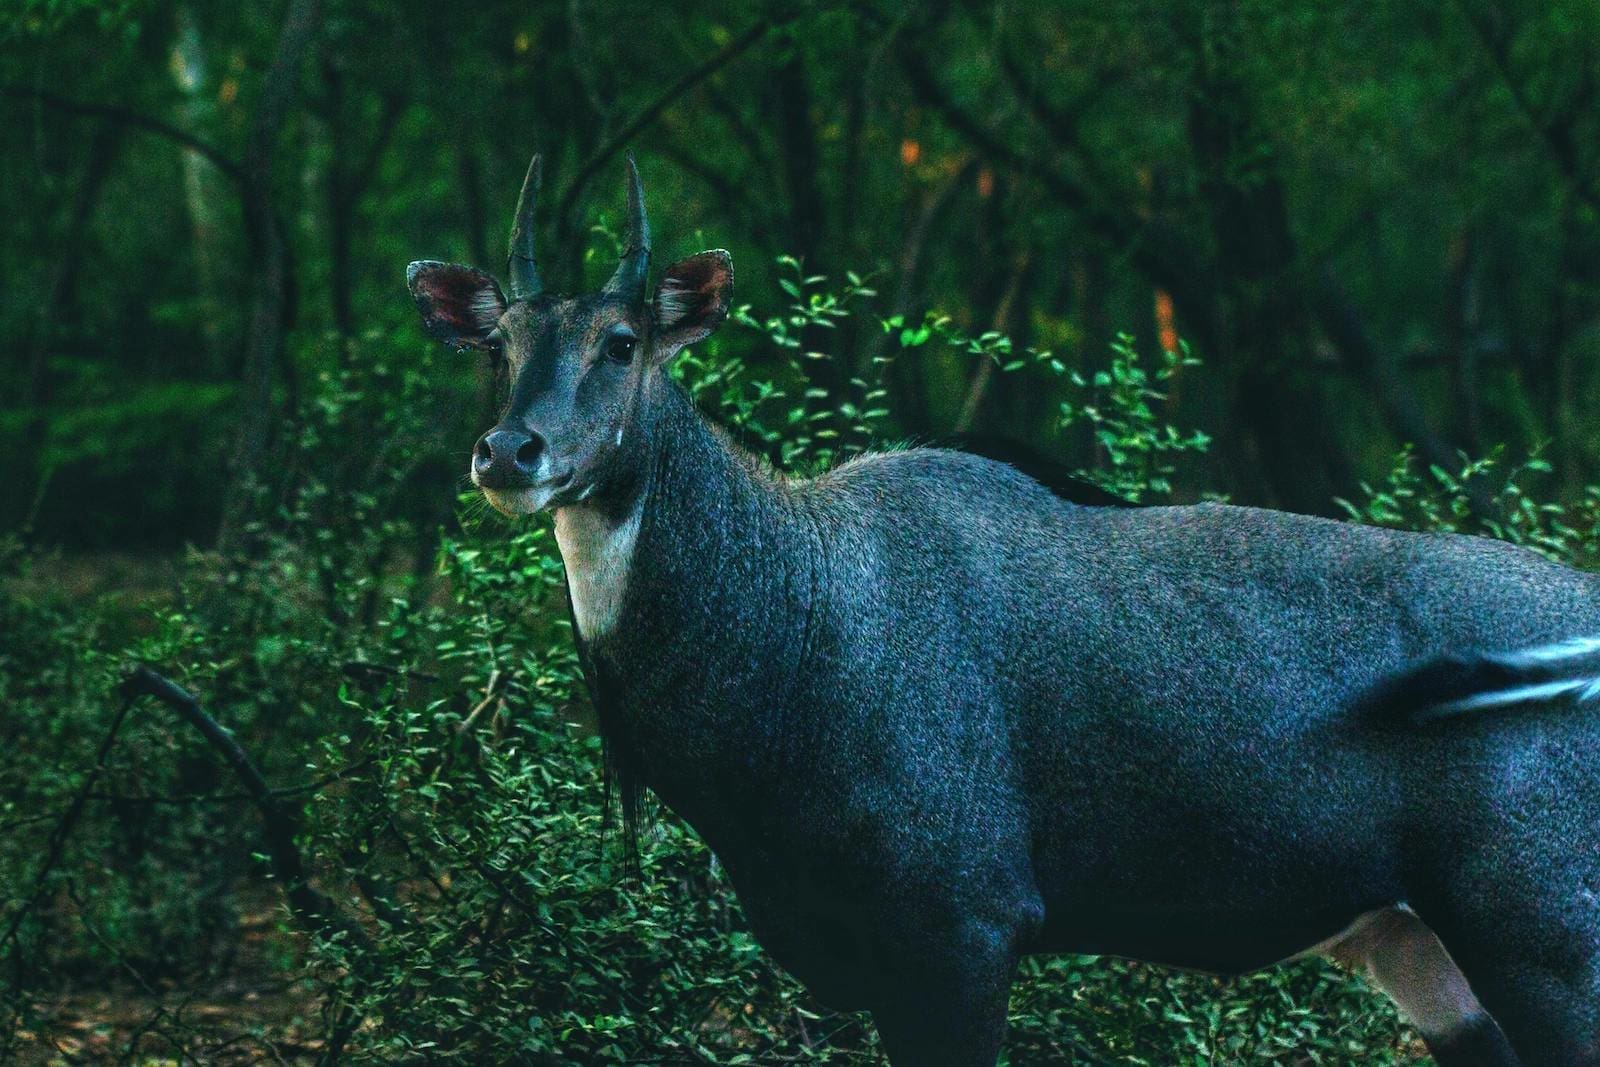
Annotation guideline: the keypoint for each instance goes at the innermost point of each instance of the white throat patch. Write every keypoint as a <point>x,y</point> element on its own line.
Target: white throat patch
<point>598,555</point>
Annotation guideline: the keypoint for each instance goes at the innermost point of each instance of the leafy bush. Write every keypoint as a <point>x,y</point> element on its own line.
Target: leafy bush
<point>430,728</point>
<point>1412,498</point>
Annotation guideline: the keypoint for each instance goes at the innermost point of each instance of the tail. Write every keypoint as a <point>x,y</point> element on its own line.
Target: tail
<point>1564,673</point>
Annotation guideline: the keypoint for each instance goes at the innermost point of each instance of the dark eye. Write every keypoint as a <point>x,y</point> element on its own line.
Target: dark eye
<point>620,349</point>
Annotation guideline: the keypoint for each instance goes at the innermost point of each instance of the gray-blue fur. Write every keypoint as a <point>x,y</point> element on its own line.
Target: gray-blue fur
<point>932,717</point>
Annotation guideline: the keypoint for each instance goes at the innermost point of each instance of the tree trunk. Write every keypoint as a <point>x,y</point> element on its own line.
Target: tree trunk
<point>340,205</point>
<point>269,267</point>
<point>1264,340</point>
<point>189,72</point>
<point>60,296</point>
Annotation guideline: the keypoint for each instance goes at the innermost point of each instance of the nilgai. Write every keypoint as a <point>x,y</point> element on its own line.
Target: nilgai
<point>932,716</point>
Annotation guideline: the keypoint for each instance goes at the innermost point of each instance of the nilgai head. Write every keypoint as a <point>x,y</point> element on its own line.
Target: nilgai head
<point>578,367</point>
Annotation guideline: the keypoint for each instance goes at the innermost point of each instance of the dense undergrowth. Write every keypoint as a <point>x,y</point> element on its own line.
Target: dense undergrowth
<point>409,689</point>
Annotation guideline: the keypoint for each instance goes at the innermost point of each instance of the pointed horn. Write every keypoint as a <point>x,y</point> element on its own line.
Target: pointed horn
<point>524,267</point>
<point>634,269</point>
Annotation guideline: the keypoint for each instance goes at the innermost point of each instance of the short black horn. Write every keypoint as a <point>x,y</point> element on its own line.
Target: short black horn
<point>524,266</point>
<point>634,269</point>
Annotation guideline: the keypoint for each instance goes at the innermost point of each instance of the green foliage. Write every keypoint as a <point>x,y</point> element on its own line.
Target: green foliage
<point>800,425</point>
<point>1486,496</point>
<point>1092,1009</point>
<point>1136,450</point>
<point>474,835</point>
<point>1219,161</point>
<point>434,733</point>
<point>1123,405</point>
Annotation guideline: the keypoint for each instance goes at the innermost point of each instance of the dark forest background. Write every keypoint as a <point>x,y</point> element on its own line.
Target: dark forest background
<point>228,451</point>
<point>1375,223</point>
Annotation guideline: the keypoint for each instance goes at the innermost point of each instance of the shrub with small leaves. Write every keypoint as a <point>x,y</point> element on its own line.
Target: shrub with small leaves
<point>431,730</point>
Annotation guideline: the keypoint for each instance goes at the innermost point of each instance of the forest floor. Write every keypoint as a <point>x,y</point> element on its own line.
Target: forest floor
<point>250,1014</point>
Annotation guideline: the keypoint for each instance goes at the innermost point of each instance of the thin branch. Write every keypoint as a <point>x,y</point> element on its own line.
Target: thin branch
<point>1060,123</point>
<point>906,386</point>
<point>225,798</point>
<point>153,1023</point>
<point>128,117</point>
<point>651,111</point>
<point>69,821</point>
<point>491,693</point>
<point>357,668</point>
<point>1004,315</point>
<point>381,897</point>
<point>732,194</point>
<point>755,146</point>
<point>1153,249</point>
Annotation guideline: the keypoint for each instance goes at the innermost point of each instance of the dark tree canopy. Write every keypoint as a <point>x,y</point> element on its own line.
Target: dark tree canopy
<point>1369,220</point>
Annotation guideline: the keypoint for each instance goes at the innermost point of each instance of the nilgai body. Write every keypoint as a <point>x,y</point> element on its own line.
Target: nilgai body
<point>931,716</point>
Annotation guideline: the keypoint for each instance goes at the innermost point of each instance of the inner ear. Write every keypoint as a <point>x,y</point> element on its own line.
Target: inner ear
<point>460,306</point>
<point>692,300</point>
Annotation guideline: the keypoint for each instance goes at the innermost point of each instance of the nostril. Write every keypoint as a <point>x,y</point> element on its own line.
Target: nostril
<point>504,453</point>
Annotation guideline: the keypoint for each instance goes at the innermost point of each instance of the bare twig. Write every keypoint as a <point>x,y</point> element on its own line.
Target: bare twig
<point>491,692</point>
<point>1003,322</point>
<point>356,668</point>
<point>185,800</point>
<point>153,1023</point>
<point>69,821</point>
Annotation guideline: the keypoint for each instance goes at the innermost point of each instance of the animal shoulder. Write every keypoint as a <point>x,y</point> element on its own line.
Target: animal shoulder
<point>920,476</point>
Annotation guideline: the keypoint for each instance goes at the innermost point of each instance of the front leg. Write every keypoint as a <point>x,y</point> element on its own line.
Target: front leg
<point>948,1006</point>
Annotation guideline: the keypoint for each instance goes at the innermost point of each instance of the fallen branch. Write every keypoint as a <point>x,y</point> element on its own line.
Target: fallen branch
<point>278,823</point>
<point>310,906</point>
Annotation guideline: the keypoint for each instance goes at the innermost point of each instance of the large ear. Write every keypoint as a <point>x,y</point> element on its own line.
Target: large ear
<point>692,300</point>
<point>459,305</point>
